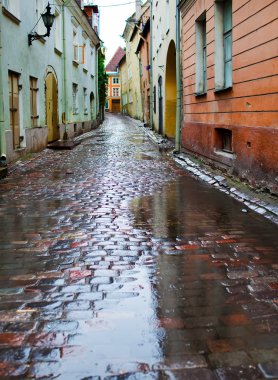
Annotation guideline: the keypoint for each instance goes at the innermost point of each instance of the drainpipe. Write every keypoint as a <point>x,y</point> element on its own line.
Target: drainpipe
<point>2,129</point>
<point>65,113</point>
<point>178,80</point>
<point>96,82</point>
<point>151,65</point>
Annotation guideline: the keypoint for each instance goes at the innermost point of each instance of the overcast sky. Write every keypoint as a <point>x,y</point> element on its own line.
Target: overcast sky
<point>112,22</point>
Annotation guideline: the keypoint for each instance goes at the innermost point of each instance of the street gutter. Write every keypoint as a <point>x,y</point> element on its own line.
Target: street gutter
<point>268,208</point>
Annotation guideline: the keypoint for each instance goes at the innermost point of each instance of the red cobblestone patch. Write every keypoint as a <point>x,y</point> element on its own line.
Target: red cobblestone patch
<point>48,339</point>
<point>226,241</point>
<point>79,274</point>
<point>11,339</point>
<point>171,323</point>
<point>273,285</point>
<point>220,345</point>
<point>187,247</point>
<point>234,319</point>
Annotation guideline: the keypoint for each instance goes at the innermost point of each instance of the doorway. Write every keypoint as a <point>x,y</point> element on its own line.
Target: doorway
<point>14,108</point>
<point>51,100</point>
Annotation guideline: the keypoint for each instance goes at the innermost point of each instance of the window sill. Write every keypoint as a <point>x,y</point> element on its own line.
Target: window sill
<point>75,63</point>
<point>92,76</point>
<point>231,156</point>
<point>58,51</point>
<point>11,16</point>
<point>200,94</point>
<point>219,90</point>
<point>85,70</point>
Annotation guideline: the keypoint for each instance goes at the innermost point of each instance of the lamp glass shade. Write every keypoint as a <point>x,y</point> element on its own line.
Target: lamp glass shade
<point>48,18</point>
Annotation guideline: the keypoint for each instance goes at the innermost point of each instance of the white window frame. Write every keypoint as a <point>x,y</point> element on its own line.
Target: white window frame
<point>85,100</point>
<point>58,30</point>
<point>223,66</point>
<point>75,110</point>
<point>201,56</point>
<point>116,92</point>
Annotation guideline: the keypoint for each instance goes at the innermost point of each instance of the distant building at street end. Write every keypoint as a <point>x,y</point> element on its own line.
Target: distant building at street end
<point>48,82</point>
<point>230,86</point>
<point>113,103</point>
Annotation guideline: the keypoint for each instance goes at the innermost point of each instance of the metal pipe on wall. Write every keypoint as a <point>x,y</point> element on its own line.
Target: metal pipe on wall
<point>178,81</point>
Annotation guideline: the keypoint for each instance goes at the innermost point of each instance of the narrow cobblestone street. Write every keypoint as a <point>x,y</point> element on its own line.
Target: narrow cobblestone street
<point>117,264</point>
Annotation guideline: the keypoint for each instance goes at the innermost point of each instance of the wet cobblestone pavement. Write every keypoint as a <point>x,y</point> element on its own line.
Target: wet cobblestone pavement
<point>116,264</point>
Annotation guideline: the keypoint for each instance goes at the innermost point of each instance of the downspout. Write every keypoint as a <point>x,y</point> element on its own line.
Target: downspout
<point>151,65</point>
<point>65,113</point>
<point>178,81</point>
<point>2,130</point>
<point>96,82</point>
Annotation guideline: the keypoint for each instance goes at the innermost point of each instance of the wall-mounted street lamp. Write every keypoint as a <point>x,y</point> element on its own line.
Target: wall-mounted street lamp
<point>48,19</point>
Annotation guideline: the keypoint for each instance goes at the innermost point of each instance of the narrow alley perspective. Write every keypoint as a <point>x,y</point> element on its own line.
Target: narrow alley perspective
<point>116,263</point>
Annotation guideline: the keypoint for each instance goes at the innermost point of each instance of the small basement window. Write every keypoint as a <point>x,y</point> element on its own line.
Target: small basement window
<point>224,140</point>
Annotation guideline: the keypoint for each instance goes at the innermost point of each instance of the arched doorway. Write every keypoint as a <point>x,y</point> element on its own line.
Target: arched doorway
<point>51,102</point>
<point>170,92</point>
<point>160,106</point>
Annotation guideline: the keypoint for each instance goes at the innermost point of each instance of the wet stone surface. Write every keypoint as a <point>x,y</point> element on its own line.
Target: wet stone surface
<point>117,264</point>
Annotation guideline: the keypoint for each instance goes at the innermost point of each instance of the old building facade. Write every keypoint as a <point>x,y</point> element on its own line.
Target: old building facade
<point>163,66</point>
<point>230,86</point>
<point>49,85</point>
<point>113,102</point>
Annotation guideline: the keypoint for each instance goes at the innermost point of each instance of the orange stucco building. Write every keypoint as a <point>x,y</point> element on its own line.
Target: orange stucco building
<point>113,102</point>
<point>230,86</point>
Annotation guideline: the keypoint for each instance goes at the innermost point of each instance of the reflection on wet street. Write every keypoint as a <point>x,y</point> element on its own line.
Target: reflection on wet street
<point>117,264</point>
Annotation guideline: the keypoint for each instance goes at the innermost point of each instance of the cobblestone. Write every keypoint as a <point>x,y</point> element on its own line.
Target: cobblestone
<point>116,263</point>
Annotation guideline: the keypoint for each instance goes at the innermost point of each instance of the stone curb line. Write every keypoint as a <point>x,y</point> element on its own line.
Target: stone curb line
<point>268,210</point>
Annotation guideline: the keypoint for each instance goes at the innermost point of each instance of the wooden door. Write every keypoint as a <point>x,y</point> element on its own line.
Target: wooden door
<point>14,107</point>
<point>51,99</point>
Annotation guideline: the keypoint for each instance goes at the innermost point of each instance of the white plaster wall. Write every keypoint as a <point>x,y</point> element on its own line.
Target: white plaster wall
<point>36,60</point>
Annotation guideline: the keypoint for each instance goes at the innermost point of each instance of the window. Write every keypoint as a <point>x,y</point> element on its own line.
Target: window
<point>75,98</point>
<point>115,80</point>
<point>201,56</point>
<point>116,92</point>
<point>33,101</point>
<point>167,16</point>
<point>223,140</point>
<point>85,100</point>
<point>78,50</point>
<point>93,63</point>
<point>124,99</point>
<point>13,6</point>
<point>227,36</point>
<point>223,44</point>
<point>58,28</point>
<point>14,89</point>
<point>106,105</point>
